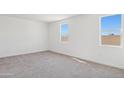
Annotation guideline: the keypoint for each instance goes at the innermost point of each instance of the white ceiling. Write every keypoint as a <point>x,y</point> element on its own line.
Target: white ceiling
<point>43,17</point>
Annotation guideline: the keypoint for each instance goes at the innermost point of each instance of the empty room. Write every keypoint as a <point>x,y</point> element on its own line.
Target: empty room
<point>61,46</point>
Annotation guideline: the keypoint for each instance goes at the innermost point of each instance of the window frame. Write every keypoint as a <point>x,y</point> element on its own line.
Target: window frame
<point>60,35</point>
<point>121,33</point>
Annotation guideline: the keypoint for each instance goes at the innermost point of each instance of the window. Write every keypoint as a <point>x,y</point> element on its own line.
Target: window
<point>64,32</point>
<point>110,30</point>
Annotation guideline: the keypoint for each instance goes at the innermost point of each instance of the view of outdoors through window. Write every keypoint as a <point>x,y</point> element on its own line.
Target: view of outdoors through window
<point>111,30</point>
<point>64,32</point>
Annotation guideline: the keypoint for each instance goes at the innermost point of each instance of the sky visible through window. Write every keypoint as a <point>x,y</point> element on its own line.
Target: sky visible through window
<point>64,30</point>
<point>111,25</point>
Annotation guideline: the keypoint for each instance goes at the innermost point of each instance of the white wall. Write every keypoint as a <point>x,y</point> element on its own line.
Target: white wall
<point>83,41</point>
<point>19,36</point>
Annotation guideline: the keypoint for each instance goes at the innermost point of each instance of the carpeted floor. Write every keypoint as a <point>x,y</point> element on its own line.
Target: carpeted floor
<point>53,65</point>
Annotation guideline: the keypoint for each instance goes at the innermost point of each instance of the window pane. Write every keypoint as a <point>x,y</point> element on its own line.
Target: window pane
<point>111,30</point>
<point>64,32</point>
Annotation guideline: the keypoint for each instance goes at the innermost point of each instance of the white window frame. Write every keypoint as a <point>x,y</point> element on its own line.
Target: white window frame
<point>61,31</point>
<point>121,34</point>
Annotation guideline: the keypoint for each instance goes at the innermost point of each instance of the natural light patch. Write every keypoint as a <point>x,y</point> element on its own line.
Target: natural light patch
<point>64,32</point>
<point>111,30</point>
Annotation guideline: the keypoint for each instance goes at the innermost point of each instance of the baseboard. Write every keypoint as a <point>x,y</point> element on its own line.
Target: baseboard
<point>13,55</point>
<point>86,60</point>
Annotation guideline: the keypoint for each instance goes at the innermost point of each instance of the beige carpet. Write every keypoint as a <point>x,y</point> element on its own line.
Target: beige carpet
<point>53,65</point>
